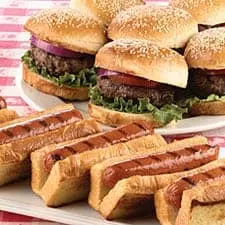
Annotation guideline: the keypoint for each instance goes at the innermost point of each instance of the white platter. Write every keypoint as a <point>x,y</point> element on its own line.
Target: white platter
<point>41,101</point>
<point>18,198</point>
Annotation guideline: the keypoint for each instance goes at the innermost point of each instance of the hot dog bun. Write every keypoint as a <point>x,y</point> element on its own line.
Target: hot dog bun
<point>99,190</point>
<point>30,133</point>
<point>134,195</point>
<point>204,192</point>
<point>68,180</point>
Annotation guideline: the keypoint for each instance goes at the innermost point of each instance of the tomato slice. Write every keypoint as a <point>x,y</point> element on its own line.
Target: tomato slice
<point>133,81</point>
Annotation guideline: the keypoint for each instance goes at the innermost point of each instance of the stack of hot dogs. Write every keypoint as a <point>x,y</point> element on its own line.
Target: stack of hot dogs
<point>119,171</point>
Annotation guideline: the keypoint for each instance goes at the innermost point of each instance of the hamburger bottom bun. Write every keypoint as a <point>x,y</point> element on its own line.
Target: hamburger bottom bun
<point>208,108</point>
<point>115,118</point>
<point>48,87</point>
<point>144,59</point>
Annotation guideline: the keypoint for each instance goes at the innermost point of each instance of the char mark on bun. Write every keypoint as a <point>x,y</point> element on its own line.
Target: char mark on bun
<point>206,59</point>
<point>61,57</point>
<point>137,79</point>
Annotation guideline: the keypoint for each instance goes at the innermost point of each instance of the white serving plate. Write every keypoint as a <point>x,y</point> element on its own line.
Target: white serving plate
<point>18,198</point>
<point>40,101</point>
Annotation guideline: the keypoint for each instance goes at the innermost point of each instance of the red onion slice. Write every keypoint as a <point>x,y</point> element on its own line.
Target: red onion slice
<point>104,73</point>
<point>62,52</point>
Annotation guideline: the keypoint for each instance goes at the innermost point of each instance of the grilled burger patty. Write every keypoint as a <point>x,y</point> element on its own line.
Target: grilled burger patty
<point>159,96</point>
<point>57,65</point>
<point>204,85</point>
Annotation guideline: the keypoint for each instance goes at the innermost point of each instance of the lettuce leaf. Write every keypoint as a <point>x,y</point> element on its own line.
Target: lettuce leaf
<point>192,100</point>
<point>84,78</point>
<point>163,115</point>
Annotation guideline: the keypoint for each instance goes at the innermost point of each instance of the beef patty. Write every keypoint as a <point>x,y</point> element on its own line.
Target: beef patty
<point>159,96</point>
<point>57,65</point>
<point>204,85</point>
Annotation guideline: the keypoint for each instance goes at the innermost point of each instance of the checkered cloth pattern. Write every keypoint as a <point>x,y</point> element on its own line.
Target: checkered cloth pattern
<point>13,42</point>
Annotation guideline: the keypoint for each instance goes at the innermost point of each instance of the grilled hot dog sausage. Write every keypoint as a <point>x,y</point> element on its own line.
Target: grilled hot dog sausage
<point>118,135</point>
<point>174,192</point>
<point>162,163</point>
<point>38,126</point>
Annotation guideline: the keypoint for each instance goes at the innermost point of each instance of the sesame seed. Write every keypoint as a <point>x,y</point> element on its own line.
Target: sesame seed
<point>190,4</point>
<point>212,40</point>
<point>141,49</point>
<point>64,17</point>
<point>110,8</point>
<point>150,18</point>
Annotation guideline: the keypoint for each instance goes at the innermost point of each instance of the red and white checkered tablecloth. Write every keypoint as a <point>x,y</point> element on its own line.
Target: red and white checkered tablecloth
<point>13,42</point>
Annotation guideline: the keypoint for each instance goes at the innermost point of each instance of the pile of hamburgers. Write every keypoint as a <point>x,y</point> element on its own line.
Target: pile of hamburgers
<point>156,66</point>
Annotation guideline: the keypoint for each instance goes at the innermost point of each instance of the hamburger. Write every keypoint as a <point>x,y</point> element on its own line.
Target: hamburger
<point>208,13</point>
<point>61,57</point>
<point>205,55</point>
<point>137,80</point>
<point>167,26</point>
<point>104,10</point>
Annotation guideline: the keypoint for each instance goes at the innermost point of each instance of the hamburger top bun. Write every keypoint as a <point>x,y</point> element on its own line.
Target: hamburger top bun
<point>171,27</point>
<point>105,10</point>
<point>208,12</point>
<point>206,50</point>
<point>144,59</point>
<point>67,28</point>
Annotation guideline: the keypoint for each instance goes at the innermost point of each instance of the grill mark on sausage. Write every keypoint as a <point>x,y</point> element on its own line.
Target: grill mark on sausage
<point>140,126</point>
<point>26,128</point>
<point>89,144</point>
<point>187,179</point>
<point>174,154</point>
<point>209,176</point>
<point>70,149</point>
<point>156,158</point>
<point>8,133</point>
<point>137,162</point>
<point>174,192</point>
<point>60,119</point>
<point>43,123</point>
<point>106,139</point>
<point>122,132</point>
<point>193,150</point>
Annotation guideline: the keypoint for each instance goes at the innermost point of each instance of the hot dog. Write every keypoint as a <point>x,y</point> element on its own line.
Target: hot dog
<point>167,162</point>
<point>171,201</point>
<point>20,137</point>
<point>172,161</point>
<point>70,176</point>
<point>120,135</point>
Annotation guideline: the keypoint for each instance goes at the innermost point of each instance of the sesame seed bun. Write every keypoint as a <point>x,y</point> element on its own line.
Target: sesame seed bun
<point>144,59</point>
<point>105,10</point>
<point>208,12</point>
<point>67,28</point>
<point>167,26</point>
<point>206,50</point>
<point>44,85</point>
